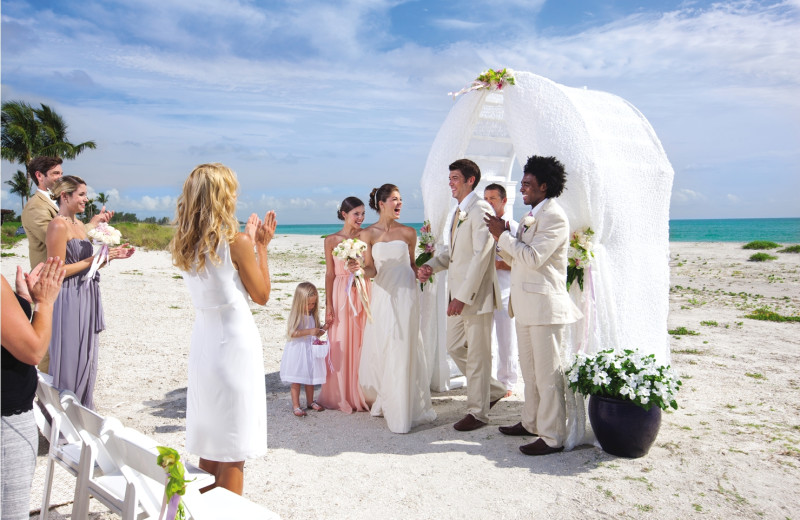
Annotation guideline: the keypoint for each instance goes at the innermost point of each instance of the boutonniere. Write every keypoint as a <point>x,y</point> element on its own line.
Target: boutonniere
<point>462,216</point>
<point>527,222</point>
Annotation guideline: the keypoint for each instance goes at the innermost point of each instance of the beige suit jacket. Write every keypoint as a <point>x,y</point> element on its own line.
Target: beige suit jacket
<point>471,276</point>
<point>538,259</point>
<point>36,216</point>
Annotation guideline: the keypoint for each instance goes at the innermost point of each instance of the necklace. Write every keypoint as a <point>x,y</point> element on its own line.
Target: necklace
<point>74,221</point>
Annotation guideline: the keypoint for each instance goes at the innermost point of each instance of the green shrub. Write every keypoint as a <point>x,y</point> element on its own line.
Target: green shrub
<point>683,331</point>
<point>762,257</point>
<point>146,235</point>
<point>760,244</point>
<point>8,234</point>
<point>765,314</point>
<point>791,249</point>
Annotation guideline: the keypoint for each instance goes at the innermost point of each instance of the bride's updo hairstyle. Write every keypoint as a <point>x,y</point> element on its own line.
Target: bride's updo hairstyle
<point>348,205</point>
<point>66,184</point>
<point>379,195</point>
<point>206,214</point>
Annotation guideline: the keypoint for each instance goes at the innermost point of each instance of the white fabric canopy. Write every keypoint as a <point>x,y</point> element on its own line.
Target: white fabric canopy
<point>619,182</point>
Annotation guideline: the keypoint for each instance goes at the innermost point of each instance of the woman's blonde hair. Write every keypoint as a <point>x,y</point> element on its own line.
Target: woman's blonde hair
<point>205,215</point>
<point>302,293</point>
<point>66,184</point>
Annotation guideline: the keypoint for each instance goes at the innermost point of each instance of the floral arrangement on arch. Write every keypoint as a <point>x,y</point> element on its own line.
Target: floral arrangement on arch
<point>489,79</point>
<point>427,247</point>
<point>354,249</point>
<point>580,255</point>
<point>626,375</point>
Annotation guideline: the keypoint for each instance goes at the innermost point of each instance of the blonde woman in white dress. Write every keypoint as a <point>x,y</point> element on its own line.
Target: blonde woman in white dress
<point>226,402</point>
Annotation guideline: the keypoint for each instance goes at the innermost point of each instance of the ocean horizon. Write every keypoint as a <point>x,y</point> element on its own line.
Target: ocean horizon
<point>784,230</point>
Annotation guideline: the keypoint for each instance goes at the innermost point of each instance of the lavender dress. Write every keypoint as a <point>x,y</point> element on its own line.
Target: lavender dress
<point>77,321</point>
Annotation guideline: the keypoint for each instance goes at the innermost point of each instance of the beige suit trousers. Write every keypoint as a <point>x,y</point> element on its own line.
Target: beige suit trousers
<point>469,343</point>
<point>544,412</point>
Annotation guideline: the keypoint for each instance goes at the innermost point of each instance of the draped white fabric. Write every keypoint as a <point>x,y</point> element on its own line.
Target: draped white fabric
<point>619,182</point>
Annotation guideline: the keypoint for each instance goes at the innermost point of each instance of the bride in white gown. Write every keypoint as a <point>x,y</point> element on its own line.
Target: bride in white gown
<point>393,372</point>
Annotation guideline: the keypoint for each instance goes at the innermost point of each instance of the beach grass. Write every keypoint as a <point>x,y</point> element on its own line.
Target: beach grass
<point>761,244</point>
<point>8,236</point>
<point>790,249</point>
<point>761,257</point>
<point>764,314</point>
<point>683,331</point>
<point>146,235</point>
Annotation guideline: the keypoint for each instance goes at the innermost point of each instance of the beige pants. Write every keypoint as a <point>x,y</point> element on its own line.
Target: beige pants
<point>544,412</point>
<point>469,343</point>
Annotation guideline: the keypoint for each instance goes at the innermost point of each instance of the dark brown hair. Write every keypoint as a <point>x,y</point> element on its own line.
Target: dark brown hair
<point>348,205</point>
<point>42,164</point>
<point>468,169</point>
<point>380,195</point>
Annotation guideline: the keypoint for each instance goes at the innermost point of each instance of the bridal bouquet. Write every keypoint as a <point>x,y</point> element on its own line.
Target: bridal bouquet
<point>426,247</point>
<point>104,236</point>
<point>170,460</point>
<point>580,255</point>
<point>625,375</point>
<point>489,79</point>
<point>353,249</point>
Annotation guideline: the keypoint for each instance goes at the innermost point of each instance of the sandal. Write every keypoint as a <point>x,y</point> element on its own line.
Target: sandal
<point>316,407</point>
<point>298,412</point>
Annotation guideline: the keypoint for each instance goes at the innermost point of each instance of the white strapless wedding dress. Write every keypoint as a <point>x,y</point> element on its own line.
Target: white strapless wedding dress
<point>393,372</point>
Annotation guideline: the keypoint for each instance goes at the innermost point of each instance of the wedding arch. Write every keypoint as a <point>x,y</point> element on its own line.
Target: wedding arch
<point>619,182</point>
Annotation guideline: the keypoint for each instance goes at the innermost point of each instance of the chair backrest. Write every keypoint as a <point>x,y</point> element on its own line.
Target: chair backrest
<point>138,465</point>
<point>50,399</point>
<point>93,429</point>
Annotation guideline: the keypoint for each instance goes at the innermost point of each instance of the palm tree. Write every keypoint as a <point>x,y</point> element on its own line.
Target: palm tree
<point>102,198</point>
<point>19,186</point>
<point>29,132</point>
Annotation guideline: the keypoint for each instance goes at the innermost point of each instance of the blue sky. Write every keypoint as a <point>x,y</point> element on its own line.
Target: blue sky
<point>312,101</point>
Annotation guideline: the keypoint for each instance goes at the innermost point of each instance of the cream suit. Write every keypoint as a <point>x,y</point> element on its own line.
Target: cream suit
<point>471,279</point>
<point>541,307</point>
<point>36,215</point>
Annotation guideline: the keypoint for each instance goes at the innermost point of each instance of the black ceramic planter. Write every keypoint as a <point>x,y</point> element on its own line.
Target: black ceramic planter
<point>623,428</point>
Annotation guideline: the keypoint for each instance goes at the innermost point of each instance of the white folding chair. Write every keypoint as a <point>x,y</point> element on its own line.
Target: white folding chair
<point>221,503</point>
<point>130,483</point>
<point>65,443</point>
<point>97,471</point>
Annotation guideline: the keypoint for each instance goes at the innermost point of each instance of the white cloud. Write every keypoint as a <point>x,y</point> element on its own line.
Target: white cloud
<point>686,196</point>
<point>732,198</point>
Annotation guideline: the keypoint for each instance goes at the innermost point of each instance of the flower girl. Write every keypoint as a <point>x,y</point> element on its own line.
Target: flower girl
<point>301,364</point>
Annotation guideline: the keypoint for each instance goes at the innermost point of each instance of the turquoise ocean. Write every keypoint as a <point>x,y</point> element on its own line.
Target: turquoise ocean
<point>781,230</point>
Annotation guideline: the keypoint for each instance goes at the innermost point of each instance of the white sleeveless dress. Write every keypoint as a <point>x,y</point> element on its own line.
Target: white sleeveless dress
<point>393,371</point>
<point>226,402</point>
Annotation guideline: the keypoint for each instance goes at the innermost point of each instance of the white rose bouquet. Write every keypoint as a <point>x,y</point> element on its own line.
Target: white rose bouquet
<point>354,249</point>
<point>427,246</point>
<point>104,236</point>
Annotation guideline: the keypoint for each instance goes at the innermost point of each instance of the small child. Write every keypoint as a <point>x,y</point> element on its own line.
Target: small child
<point>299,366</point>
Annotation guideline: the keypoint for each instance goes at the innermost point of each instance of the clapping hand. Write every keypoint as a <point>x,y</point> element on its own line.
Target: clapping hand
<point>103,216</point>
<point>44,281</point>
<point>266,229</point>
<point>121,252</point>
<point>251,226</point>
<point>496,225</point>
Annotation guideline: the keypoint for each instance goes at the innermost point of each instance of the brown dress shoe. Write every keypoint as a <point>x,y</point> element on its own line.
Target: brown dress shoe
<point>517,429</point>
<point>468,423</point>
<point>539,447</point>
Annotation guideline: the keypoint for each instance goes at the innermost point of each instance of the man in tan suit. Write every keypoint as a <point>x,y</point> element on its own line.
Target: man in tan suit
<point>539,302</point>
<point>474,294</point>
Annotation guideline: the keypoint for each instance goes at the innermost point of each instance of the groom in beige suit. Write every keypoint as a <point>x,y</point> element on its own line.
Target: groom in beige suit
<point>539,302</point>
<point>473,296</point>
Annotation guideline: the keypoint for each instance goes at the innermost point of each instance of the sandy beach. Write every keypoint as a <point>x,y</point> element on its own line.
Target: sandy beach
<point>732,450</point>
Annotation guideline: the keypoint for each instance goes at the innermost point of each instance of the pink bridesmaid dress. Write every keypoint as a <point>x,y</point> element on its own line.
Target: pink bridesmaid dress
<point>341,390</point>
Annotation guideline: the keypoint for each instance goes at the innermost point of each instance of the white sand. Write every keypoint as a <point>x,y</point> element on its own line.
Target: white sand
<point>731,450</point>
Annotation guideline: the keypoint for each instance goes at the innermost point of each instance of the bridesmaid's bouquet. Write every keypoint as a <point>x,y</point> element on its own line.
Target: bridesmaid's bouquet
<point>353,249</point>
<point>580,255</point>
<point>426,247</point>
<point>175,487</point>
<point>104,236</point>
